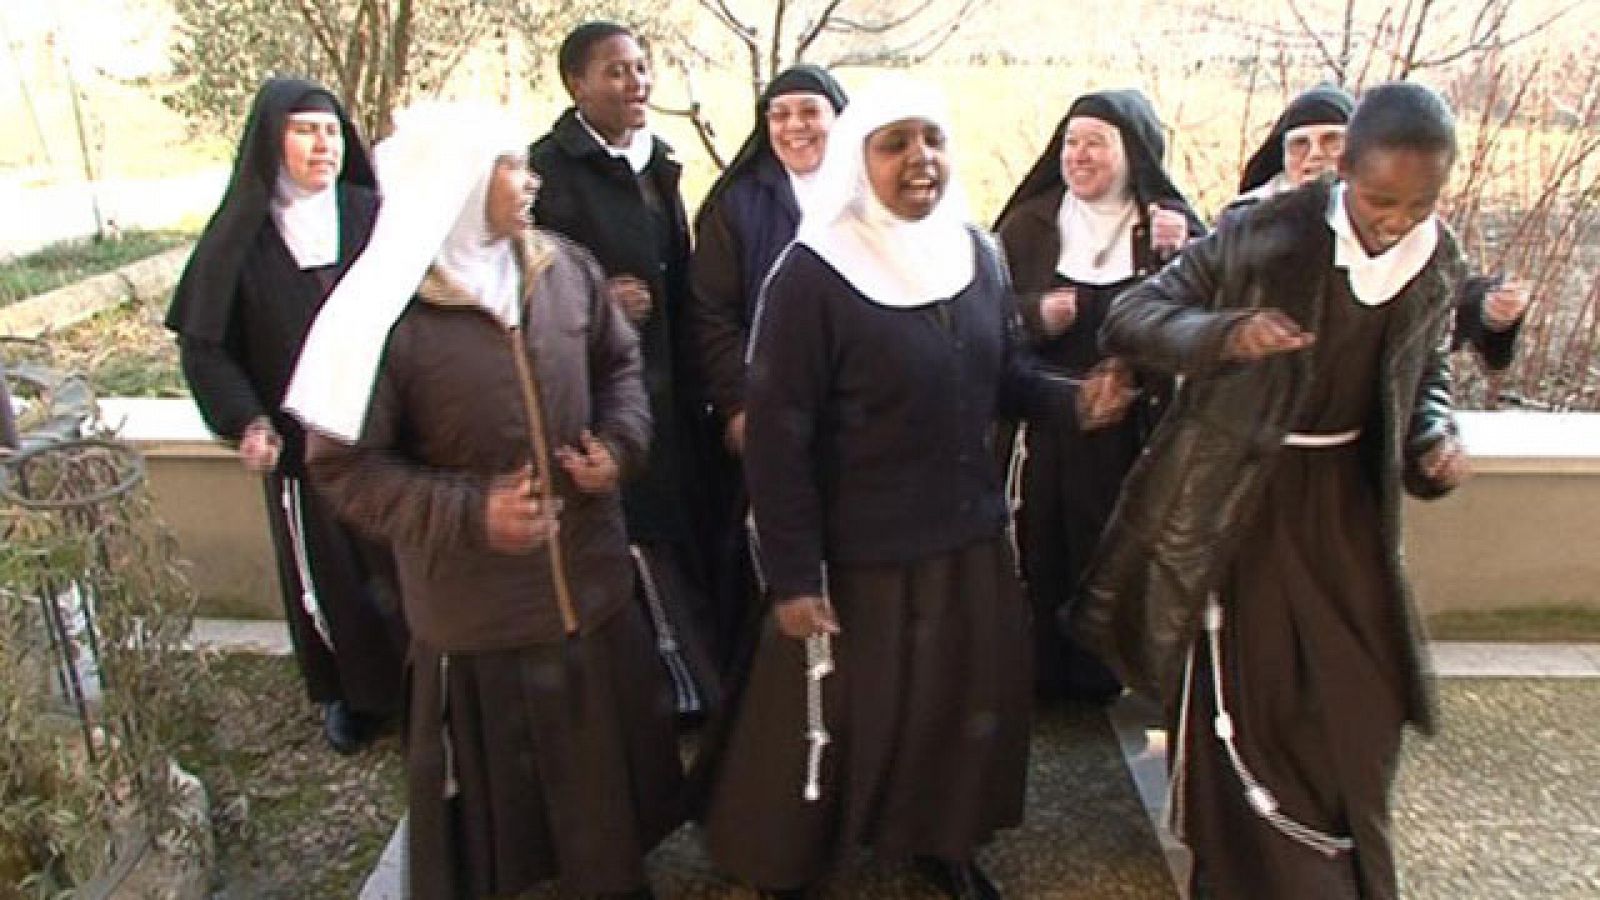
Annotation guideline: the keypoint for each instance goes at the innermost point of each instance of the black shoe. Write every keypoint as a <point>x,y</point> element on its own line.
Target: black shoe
<point>347,731</point>
<point>643,893</point>
<point>957,880</point>
<point>798,893</point>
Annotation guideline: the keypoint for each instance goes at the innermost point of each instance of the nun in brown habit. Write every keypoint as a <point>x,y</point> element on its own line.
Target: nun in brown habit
<point>1252,575</point>
<point>297,211</point>
<point>474,399</point>
<point>888,702</point>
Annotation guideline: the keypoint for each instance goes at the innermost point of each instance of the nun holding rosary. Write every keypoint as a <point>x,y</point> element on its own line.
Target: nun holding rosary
<point>889,699</point>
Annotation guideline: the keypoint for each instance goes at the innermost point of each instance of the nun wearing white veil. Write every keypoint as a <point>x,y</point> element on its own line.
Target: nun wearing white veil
<point>473,398</point>
<point>884,348</point>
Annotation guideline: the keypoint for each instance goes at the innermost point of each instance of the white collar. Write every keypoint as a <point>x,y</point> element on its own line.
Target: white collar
<point>1096,239</point>
<point>1277,184</point>
<point>804,187</point>
<point>641,146</point>
<point>308,221</point>
<point>1375,280</point>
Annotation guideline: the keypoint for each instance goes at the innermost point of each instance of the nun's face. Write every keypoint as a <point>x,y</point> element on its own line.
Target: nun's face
<point>614,88</point>
<point>313,149</point>
<point>908,167</point>
<point>1311,150</point>
<point>797,127</point>
<point>1093,163</point>
<point>1391,190</point>
<point>512,188</point>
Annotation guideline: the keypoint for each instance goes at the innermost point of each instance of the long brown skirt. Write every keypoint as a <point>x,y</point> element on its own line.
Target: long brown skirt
<point>563,757</point>
<point>928,709</point>
<point>1311,649</point>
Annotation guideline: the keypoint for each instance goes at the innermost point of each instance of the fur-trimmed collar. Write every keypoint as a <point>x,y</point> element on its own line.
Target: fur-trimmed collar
<point>533,253</point>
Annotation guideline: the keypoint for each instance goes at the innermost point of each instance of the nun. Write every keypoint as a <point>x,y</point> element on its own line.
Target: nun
<point>611,185</point>
<point>1095,215</point>
<point>474,400</point>
<point>749,216</point>
<point>1305,145</point>
<point>298,209</point>
<point>888,702</point>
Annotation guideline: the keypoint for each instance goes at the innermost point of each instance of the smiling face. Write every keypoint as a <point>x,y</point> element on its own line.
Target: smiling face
<point>313,149</point>
<point>613,89</point>
<point>908,167</point>
<point>797,127</point>
<point>1311,150</point>
<point>512,188</point>
<point>1093,161</point>
<point>1391,190</point>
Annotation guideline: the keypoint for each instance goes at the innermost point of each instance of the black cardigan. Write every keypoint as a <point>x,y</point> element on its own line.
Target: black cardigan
<point>869,428</point>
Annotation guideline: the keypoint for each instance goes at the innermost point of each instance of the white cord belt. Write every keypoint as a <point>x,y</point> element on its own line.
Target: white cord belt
<point>819,663</point>
<point>1259,797</point>
<point>294,518</point>
<point>1331,439</point>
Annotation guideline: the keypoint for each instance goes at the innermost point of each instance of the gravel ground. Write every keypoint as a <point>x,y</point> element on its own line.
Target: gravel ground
<point>1503,804</point>
<point>1505,801</point>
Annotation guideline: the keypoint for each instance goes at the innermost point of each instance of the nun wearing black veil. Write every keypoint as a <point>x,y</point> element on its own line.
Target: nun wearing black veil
<point>748,217</point>
<point>298,210</point>
<point>1096,214</point>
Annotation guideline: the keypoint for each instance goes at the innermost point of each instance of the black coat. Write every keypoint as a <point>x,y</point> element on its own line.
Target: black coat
<point>596,200</point>
<point>1497,349</point>
<point>1176,527</point>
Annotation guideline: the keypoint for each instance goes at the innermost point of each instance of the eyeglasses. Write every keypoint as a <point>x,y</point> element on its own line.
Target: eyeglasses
<point>1329,139</point>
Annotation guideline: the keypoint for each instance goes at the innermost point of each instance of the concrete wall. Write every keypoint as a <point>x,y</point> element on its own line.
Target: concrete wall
<point>215,508</point>
<point>1523,532</point>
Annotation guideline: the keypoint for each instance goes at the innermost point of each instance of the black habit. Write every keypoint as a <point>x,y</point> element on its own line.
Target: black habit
<point>241,311</point>
<point>1071,477</point>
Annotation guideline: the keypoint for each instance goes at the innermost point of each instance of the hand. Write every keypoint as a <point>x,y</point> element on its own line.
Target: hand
<point>514,519</point>
<point>1058,309</point>
<point>805,616</point>
<point>1503,306</point>
<point>590,464</point>
<point>1264,334</point>
<point>1169,231</point>
<point>631,295</point>
<point>260,446</point>
<point>733,434</point>
<point>1446,463</point>
<point>1104,396</point>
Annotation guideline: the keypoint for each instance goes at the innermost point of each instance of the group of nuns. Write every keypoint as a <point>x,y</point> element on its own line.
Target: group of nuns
<point>616,480</point>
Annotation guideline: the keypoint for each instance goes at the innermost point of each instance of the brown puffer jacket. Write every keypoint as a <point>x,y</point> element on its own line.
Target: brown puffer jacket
<point>1176,527</point>
<point>453,409</point>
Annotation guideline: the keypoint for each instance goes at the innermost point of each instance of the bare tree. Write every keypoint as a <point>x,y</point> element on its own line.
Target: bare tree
<point>773,35</point>
<point>375,54</point>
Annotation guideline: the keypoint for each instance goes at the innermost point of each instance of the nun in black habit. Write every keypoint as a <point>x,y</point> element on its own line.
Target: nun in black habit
<point>299,208</point>
<point>749,216</point>
<point>1095,215</point>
